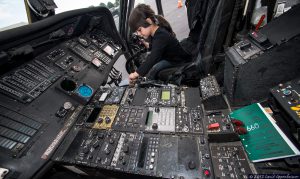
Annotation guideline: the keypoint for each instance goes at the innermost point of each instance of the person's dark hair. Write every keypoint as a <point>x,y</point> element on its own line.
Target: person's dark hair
<point>139,15</point>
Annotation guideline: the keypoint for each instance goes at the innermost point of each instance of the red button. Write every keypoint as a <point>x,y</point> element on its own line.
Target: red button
<point>207,173</point>
<point>213,126</point>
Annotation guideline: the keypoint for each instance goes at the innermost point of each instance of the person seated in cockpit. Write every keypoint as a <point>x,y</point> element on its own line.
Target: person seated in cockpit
<point>166,51</point>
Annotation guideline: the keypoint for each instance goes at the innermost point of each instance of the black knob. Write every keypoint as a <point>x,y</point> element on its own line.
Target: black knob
<point>107,120</point>
<point>192,165</point>
<point>202,141</point>
<point>227,126</point>
<point>100,120</point>
<point>126,149</point>
<point>124,162</point>
<point>111,141</point>
<point>130,94</point>
<point>157,109</point>
<point>100,136</point>
<point>207,156</point>
<point>154,126</point>
<point>129,101</point>
<point>107,151</point>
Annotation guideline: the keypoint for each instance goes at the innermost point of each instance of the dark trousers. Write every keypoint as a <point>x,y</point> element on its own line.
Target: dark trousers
<point>163,64</point>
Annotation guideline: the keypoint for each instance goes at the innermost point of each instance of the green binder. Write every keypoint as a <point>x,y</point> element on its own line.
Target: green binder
<point>264,140</point>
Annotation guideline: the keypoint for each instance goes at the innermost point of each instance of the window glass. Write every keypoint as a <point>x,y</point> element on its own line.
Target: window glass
<point>151,3</point>
<point>177,17</point>
<point>12,14</point>
<point>67,5</point>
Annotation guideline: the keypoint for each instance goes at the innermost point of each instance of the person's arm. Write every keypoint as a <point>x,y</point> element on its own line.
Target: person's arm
<point>158,47</point>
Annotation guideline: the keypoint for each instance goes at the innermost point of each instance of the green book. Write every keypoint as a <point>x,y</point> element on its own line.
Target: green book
<point>264,140</point>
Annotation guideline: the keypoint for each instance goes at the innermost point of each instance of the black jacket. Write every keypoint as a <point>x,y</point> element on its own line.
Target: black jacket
<point>164,47</point>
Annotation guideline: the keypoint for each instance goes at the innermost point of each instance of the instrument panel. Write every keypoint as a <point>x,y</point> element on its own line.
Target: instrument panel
<point>46,80</point>
<point>55,107</point>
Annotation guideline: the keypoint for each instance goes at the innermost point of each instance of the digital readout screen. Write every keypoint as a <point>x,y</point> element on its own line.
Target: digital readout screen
<point>110,51</point>
<point>165,95</point>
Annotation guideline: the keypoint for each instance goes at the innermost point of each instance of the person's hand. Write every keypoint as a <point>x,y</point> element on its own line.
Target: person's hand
<point>146,44</point>
<point>132,78</point>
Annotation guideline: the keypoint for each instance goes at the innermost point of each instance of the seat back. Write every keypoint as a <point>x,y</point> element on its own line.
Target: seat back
<point>209,28</point>
<point>213,35</point>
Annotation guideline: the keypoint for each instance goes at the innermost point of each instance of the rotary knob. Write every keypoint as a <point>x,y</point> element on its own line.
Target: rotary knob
<point>111,141</point>
<point>124,162</point>
<point>157,109</point>
<point>126,149</point>
<point>192,165</point>
<point>100,120</point>
<point>130,94</point>
<point>68,105</point>
<point>76,68</point>
<point>227,126</point>
<point>207,156</point>
<point>107,120</point>
<point>107,151</point>
<point>155,126</point>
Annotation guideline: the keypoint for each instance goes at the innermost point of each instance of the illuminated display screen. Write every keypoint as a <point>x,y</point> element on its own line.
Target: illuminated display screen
<point>165,95</point>
<point>96,62</point>
<point>108,50</point>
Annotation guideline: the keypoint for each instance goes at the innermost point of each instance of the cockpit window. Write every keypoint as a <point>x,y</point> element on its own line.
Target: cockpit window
<point>112,5</point>
<point>12,14</point>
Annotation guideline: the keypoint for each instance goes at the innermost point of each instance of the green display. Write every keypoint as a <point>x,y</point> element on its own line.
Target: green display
<point>165,95</point>
<point>264,140</point>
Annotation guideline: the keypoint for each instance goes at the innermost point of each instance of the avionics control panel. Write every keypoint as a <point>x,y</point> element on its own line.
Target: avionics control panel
<point>155,140</point>
<point>287,103</point>
<point>164,96</point>
<point>47,75</point>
